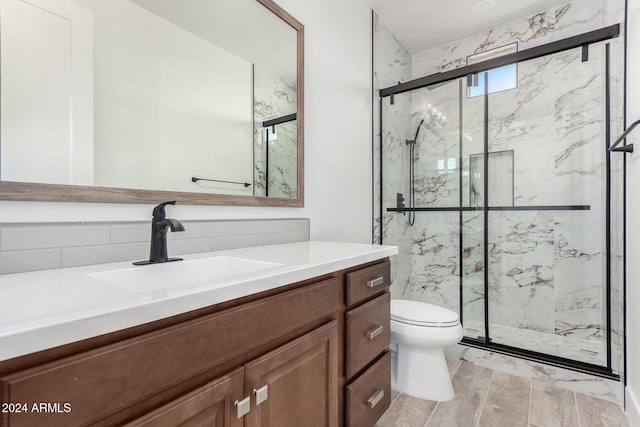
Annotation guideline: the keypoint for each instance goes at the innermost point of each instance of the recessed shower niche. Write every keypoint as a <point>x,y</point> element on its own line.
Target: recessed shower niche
<point>500,169</point>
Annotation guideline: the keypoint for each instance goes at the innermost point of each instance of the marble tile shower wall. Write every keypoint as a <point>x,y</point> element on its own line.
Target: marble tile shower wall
<point>546,268</point>
<point>392,63</point>
<point>30,247</point>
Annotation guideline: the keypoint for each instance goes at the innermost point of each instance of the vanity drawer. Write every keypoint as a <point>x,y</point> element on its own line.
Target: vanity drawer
<point>367,333</point>
<point>369,396</point>
<point>101,382</point>
<point>367,282</point>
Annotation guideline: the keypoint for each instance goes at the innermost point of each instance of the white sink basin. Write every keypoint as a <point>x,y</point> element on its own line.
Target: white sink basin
<point>182,274</point>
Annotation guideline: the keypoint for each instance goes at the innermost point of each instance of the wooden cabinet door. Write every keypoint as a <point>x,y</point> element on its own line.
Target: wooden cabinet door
<point>211,405</point>
<point>296,384</point>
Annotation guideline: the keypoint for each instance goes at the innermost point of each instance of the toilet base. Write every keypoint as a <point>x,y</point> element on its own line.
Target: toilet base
<point>421,373</point>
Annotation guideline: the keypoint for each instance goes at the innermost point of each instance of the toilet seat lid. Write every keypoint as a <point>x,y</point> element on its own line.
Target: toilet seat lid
<point>421,313</point>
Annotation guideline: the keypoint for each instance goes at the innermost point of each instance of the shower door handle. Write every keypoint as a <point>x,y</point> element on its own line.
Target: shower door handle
<point>375,282</point>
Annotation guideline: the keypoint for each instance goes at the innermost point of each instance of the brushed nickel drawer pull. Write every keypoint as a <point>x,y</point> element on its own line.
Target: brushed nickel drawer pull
<point>262,394</point>
<point>372,333</point>
<point>375,398</point>
<point>375,282</point>
<point>243,406</point>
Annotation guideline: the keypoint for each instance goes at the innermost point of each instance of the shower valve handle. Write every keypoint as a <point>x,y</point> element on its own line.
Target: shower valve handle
<point>400,203</point>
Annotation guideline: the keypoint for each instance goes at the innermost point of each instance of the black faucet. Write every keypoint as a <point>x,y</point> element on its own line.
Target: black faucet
<point>159,227</point>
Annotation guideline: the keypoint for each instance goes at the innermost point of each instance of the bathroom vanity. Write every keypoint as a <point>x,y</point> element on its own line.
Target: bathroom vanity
<point>304,342</point>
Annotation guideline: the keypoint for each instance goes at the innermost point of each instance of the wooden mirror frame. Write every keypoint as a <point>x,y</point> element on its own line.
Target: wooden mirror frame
<point>27,191</point>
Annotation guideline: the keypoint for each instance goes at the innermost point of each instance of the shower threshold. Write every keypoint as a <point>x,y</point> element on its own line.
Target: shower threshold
<point>581,349</point>
<point>575,358</point>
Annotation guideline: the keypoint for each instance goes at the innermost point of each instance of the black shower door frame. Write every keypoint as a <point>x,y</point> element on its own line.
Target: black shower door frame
<point>580,41</point>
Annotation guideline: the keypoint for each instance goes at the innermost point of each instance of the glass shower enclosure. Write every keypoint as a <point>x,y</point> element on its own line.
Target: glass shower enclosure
<point>509,193</point>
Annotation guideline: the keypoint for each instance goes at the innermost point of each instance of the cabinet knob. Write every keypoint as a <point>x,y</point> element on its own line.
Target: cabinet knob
<point>372,333</point>
<point>375,282</point>
<point>375,398</point>
<point>243,406</point>
<point>262,394</point>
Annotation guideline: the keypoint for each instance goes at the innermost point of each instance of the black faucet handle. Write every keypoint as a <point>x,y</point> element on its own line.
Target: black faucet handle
<point>158,211</point>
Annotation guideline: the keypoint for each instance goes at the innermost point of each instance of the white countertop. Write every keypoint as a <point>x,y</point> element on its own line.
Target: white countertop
<point>45,309</point>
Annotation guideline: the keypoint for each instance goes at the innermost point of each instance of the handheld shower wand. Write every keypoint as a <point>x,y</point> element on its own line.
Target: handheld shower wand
<point>412,190</point>
<point>415,139</point>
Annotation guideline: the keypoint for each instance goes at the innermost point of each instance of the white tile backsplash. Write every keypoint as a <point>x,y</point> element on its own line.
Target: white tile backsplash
<point>15,237</point>
<point>128,233</point>
<point>31,247</point>
<point>86,255</point>
<point>232,242</point>
<point>29,260</point>
<point>211,229</point>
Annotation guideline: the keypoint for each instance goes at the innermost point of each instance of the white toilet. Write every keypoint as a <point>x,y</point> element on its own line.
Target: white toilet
<point>419,333</point>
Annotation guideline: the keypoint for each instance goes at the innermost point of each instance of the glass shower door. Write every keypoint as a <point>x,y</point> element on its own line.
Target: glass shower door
<point>421,145</point>
<point>498,195</point>
<point>546,205</point>
<point>436,242</point>
<point>472,228</point>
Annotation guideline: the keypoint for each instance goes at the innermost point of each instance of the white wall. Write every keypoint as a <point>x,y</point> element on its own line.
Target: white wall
<point>337,136</point>
<point>337,116</point>
<point>633,213</point>
<point>173,94</point>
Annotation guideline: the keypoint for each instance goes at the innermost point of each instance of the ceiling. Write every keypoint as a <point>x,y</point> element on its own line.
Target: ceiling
<point>422,24</point>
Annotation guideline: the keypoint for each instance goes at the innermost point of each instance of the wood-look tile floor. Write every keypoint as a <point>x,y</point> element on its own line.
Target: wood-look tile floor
<point>488,398</point>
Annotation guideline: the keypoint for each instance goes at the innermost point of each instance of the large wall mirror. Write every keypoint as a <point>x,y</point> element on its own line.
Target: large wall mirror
<point>139,101</point>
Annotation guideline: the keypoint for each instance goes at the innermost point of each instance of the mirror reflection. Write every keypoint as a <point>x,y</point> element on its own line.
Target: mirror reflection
<point>168,95</point>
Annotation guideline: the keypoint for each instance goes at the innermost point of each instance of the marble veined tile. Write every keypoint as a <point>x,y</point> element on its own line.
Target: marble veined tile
<point>580,275</point>
<point>392,63</point>
<point>521,256</point>
<point>435,255</point>
<point>540,28</point>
